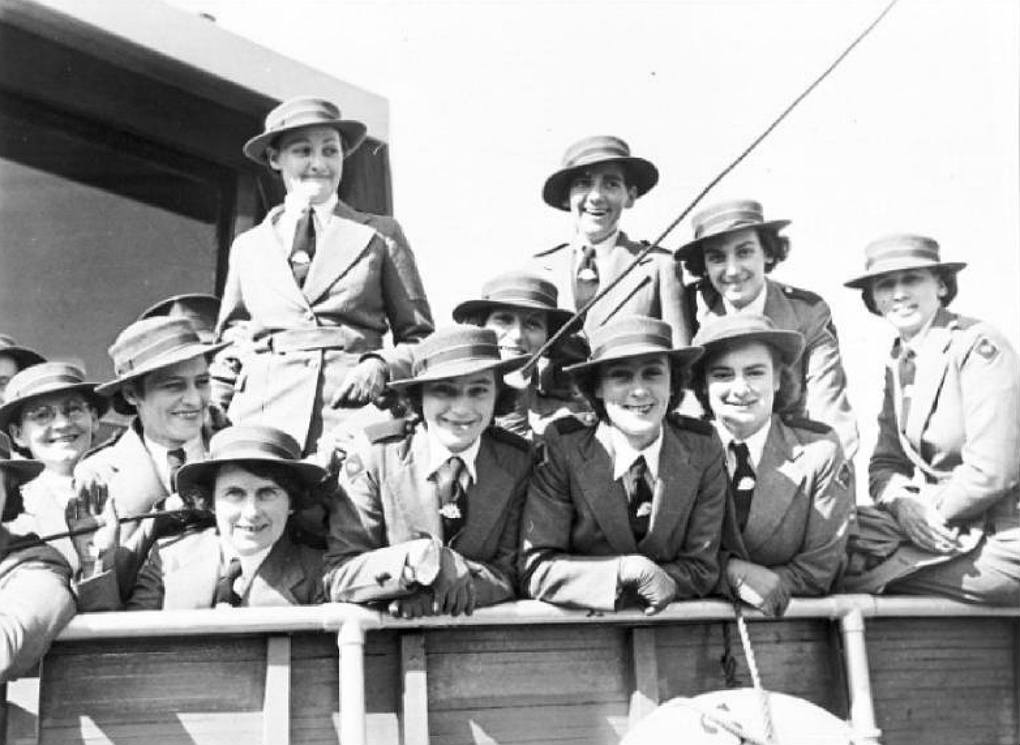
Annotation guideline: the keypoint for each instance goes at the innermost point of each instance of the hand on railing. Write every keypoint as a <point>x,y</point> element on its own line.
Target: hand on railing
<point>648,580</point>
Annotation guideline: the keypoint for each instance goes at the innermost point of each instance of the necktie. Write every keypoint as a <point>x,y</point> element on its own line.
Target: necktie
<point>907,371</point>
<point>743,482</point>
<point>586,283</point>
<point>225,593</point>
<point>304,246</point>
<point>174,460</point>
<point>639,497</point>
<point>452,498</point>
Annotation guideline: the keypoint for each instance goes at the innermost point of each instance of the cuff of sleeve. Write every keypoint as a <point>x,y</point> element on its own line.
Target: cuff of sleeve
<point>422,564</point>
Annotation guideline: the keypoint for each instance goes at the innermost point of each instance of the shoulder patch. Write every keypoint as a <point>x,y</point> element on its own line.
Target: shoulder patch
<point>552,250</point>
<point>987,349</point>
<point>796,293</point>
<point>394,428</point>
<point>689,423</point>
<point>800,422</point>
<point>505,436</point>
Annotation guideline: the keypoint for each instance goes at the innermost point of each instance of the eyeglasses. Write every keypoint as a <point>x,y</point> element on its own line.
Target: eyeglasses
<point>45,414</point>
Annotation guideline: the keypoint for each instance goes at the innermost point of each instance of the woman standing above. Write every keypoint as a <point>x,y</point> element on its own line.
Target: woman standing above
<point>791,486</point>
<point>734,247</point>
<point>521,308</point>
<point>629,511</point>
<point>429,514</point>
<point>945,472</point>
<point>320,284</point>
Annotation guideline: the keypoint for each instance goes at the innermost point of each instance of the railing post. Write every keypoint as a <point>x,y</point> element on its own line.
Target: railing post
<point>351,643</point>
<point>3,714</point>
<point>862,709</point>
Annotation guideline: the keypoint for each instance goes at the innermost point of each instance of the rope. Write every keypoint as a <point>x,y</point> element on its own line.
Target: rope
<point>569,325</point>
<point>752,666</point>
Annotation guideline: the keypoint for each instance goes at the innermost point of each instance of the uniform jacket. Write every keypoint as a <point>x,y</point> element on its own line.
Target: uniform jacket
<point>363,281</point>
<point>962,439</point>
<point>822,393</point>
<point>388,505</point>
<point>653,288</point>
<point>575,524</point>
<point>35,604</point>
<point>181,573</point>
<point>801,508</point>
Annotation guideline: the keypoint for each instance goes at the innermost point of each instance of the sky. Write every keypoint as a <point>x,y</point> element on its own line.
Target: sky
<point>917,131</point>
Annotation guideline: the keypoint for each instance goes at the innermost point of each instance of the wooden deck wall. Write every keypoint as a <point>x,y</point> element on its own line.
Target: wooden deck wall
<point>935,680</point>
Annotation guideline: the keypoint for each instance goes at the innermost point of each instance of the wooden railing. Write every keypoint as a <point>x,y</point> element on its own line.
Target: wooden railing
<point>649,643</point>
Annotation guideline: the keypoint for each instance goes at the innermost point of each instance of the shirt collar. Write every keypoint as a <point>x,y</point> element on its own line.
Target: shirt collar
<point>250,564</point>
<point>602,248</point>
<point>755,443</point>
<point>624,453</point>
<point>439,454</point>
<point>755,307</point>
<point>194,450</point>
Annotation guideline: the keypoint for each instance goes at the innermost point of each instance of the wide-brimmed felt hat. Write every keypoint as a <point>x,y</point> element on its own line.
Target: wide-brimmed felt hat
<point>198,307</point>
<point>455,351</point>
<point>723,218</point>
<point>724,332</point>
<point>895,253</point>
<point>27,469</point>
<point>22,356</point>
<point>633,336</point>
<point>304,111</point>
<point>520,290</point>
<point>243,442</point>
<point>42,379</point>
<point>641,174</point>
<point>149,345</point>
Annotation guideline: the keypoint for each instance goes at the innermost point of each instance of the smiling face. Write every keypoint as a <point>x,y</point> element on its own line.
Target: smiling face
<point>57,429</point>
<point>518,330</point>
<point>735,265</point>
<point>742,384</point>
<point>635,393</point>
<point>251,511</point>
<point>171,401</point>
<point>457,410</point>
<point>909,298</point>
<point>597,198</point>
<point>310,160</point>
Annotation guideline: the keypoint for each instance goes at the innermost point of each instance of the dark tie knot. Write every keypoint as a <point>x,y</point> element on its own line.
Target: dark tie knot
<point>448,475</point>
<point>225,593</point>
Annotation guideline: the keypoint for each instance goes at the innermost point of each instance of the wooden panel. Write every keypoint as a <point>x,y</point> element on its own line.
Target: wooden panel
<point>276,698</point>
<point>944,681</point>
<point>794,657</point>
<point>414,710</point>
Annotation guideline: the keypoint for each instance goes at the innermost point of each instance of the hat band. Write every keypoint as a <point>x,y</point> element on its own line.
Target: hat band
<point>594,154</point>
<point>300,119</point>
<point>728,221</point>
<point>460,353</point>
<point>45,383</point>
<point>242,449</point>
<point>912,252</point>
<point>658,344</point>
<point>145,355</point>
<point>511,297</point>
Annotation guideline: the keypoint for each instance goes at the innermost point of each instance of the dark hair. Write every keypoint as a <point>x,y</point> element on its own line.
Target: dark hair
<point>789,378</point>
<point>587,382</point>
<point>947,276</point>
<point>775,247</point>
<point>201,492</point>
<point>506,398</point>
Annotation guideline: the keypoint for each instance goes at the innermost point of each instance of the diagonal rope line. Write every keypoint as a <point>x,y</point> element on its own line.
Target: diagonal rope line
<point>572,323</point>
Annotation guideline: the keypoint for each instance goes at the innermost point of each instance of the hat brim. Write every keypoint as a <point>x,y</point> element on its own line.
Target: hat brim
<point>642,175</point>
<point>684,252</point>
<point>465,367</point>
<point>684,357</point>
<point>310,474</point>
<point>863,281</point>
<point>789,344</point>
<point>555,317</point>
<point>28,469</point>
<point>353,132</point>
<point>181,354</point>
<point>22,356</point>
<point>10,408</point>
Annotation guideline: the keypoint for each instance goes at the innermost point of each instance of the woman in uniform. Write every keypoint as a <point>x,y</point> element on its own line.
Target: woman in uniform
<point>320,284</point>
<point>429,513</point>
<point>628,511</point>
<point>945,472</point>
<point>789,480</point>
<point>733,250</point>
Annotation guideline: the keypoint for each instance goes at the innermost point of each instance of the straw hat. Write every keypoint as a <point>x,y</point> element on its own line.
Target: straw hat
<point>199,308</point>
<point>724,332</point>
<point>44,378</point>
<point>22,356</point>
<point>894,253</point>
<point>634,336</point>
<point>456,351</point>
<point>304,111</point>
<point>519,290</point>
<point>641,173</point>
<point>724,218</point>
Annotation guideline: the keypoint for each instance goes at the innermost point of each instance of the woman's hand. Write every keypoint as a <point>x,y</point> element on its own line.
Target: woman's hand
<point>363,383</point>
<point>92,508</point>
<point>758,586</point>
<point>417,605</point>
<point>650,581</point>
<point>453,589</point>
<point>923,524</point>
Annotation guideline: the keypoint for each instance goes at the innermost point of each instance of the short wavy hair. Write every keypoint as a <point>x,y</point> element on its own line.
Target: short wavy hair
<point>776,248</point>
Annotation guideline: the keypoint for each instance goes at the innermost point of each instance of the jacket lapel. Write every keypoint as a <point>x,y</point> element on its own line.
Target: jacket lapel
<point>605,497</point>
<point>411,494</point>
<point>275,581</point>
<point>779,480</point>
<point>486,501</point>
<point>610,306</point>
<point>191,567</point>
<point>135,466</point>
<point>340,246</point>
<point>674,492</point>
<point>931,365</point>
